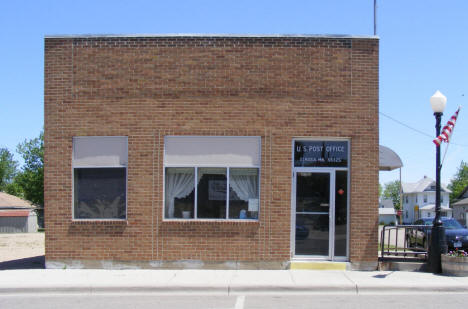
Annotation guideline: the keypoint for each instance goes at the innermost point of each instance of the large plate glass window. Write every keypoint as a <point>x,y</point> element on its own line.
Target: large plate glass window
<point>211,177</point>
<point>100,177</point>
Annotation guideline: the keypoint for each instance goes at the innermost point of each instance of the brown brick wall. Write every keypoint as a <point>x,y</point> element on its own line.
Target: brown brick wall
<point>148,87</point>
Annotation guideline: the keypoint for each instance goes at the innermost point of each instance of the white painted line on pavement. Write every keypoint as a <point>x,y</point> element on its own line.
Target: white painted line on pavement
<point>240,302</point>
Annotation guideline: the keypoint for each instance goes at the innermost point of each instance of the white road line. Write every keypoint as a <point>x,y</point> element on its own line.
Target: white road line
<point>240,302</point>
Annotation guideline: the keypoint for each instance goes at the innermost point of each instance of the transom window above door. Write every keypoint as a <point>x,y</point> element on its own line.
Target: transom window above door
<point>311,153</point>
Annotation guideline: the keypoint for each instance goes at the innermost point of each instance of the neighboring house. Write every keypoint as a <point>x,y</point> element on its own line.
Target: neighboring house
<point>16,215</point>
<point>419,200</point>
<point>387,213</point>
<point>460,208</point>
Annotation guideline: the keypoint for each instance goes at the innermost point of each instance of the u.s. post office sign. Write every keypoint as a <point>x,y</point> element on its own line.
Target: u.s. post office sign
<point>320,153</point>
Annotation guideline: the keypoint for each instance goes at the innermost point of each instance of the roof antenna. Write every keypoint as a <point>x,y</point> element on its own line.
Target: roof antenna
<point>375,17</point>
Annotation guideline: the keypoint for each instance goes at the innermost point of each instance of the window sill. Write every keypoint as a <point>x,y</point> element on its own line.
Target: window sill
<point>217,221</point>
<point>100,221</point>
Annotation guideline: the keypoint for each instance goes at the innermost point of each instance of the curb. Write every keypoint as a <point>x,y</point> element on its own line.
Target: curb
<point>233,290</point>
<point>163,290</point>
<point>407,290</point>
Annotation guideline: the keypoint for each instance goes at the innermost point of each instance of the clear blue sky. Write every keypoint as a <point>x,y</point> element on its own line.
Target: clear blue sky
<point>423,47</point>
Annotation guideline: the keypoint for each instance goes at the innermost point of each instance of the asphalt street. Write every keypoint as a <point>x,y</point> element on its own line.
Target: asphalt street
<point>119,301</point>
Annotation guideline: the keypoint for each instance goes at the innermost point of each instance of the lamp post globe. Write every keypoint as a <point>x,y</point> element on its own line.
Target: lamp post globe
<point>438,102</point>
<point>438,243</point>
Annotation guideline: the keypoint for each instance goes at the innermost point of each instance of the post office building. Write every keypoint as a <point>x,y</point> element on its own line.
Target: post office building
<point>211,151</point>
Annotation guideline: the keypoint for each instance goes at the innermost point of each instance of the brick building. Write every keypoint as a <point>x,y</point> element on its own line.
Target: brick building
<point>211,151</point>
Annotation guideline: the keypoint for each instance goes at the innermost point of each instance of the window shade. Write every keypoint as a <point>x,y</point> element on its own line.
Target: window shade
<point>212,150</point>
<point>100,151</point>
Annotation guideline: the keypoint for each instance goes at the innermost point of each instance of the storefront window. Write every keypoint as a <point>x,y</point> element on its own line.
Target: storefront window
<point>179,192</point>
<point>212,201</point>
<point>99,177</point>
<point>243,193</point>
<point>211,193</point>
<point>99,193</point>
<point>196,190</point>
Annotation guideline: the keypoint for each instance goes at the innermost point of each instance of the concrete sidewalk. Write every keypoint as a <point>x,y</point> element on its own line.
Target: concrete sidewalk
<point>226,282</point>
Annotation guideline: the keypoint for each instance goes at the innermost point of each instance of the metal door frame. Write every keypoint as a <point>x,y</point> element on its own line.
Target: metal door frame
<point>333,171</point>
<point>331,213</point>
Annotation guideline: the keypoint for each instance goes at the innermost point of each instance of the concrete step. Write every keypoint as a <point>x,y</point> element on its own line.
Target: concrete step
<point>317,265</point>
<point>402,266</point>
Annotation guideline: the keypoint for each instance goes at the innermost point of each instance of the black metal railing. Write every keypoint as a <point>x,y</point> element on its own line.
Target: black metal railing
<point>405,242</point>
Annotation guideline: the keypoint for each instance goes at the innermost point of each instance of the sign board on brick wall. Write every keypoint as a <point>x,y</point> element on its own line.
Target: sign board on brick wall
<point>320,153</point>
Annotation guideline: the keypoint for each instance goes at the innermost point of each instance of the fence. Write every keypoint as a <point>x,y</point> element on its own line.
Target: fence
<point>405,242</point>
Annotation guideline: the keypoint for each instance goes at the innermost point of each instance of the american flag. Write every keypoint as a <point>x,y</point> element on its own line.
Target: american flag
<point>447,130</point>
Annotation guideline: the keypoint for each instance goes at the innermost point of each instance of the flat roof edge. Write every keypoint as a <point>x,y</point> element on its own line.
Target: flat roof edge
<point>200,35</point>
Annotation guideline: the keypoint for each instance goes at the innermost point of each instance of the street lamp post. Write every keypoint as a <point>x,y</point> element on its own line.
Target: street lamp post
<point>438,241</point>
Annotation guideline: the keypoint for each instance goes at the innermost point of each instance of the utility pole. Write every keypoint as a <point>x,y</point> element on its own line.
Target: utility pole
<point>375,17</point>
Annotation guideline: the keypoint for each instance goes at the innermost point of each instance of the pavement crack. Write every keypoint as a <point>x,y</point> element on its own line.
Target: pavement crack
<point>352,281</point>
<point>173,277</point>
<point>292,277</point>
<point>229,284</point>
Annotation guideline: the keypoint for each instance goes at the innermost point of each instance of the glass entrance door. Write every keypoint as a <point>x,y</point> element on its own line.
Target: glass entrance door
<point>314,212</point>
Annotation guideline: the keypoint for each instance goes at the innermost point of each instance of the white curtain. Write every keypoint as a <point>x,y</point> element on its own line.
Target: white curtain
<point>245,186</point>
<point>179,184</point>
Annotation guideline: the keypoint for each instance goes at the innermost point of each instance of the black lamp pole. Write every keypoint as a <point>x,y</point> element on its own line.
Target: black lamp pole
<point>438,241</point>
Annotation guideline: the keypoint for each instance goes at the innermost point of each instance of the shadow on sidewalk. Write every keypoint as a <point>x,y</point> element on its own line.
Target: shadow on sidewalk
<point>383,276</point>
<point>35,262</point>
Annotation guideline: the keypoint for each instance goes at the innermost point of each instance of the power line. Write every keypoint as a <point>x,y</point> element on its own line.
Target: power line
<point>405,125</point>
<point>416,130</point>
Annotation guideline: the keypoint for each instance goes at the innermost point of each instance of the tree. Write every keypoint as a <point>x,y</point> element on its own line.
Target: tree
<point>7,168</point>
<point>459,182</point>
<point>14,188</point>
<point>31,177</point>
<point>392,191</point>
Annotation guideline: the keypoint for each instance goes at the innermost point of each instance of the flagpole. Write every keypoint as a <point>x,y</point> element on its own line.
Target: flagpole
<point>449,137</point>
<point>446,149</point>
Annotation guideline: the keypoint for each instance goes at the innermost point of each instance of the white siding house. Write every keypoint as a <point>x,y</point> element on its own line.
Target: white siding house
<point>419,200</point>
<point>460,208</point>
<point>16,215</point>
<point>387,213</point>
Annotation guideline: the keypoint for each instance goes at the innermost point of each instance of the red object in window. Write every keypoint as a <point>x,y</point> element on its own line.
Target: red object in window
<point>399,212</point>
<point>341,192</point>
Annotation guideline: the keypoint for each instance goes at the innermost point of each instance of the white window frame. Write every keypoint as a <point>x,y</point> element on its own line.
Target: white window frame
<point>95,167</point>
<point>196,167</point>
